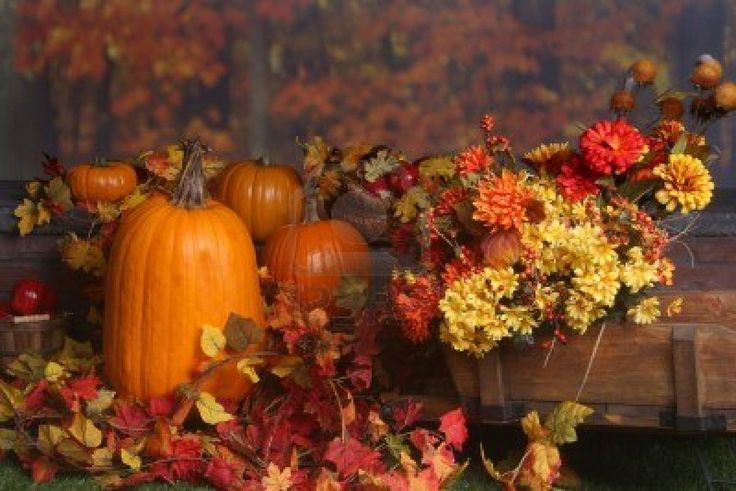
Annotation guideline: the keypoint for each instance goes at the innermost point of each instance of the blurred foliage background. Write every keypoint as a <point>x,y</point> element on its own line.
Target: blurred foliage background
<point>87,78</point>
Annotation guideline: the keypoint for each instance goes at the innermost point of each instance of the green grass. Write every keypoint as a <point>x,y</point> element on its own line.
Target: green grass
<point>606,461</point>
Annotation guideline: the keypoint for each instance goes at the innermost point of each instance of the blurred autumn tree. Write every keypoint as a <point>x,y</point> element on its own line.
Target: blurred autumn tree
<point>252,75</point>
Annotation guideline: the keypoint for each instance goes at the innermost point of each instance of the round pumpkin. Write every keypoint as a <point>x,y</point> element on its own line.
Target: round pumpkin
<point>265,196</point>
<point>102,181</point>
<point>314,256</point>
<point>176,264</point>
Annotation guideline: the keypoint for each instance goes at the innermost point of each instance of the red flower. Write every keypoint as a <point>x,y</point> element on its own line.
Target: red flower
<point>576,181</point>
<point>474,159</point>
<point>611,146</point>
<point>415,305</point>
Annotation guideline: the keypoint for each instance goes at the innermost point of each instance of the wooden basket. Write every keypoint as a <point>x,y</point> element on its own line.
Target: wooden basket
<point>40,336</point>
<point>666,376</point>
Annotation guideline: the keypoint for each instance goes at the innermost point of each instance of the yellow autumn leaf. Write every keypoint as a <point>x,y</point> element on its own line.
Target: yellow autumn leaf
<point>82,254</point>
<point>135,198</point>
<point>85,431</point>
<point>102,402</point>
<point>210,410</point>
<point>27,214</point>
<point>212,340</point>
<point>130,459</point>
<point>8,439</point>
<point>33,189</point>
<point>545,466</point>
<point>49,437</point>
<point>407,208</point>
<point>563,419</point>
<point>59,194</point>
<point>28,367</point>
<point>107,212</point>
<point>276,479</point>
<point>102,457</point>
<point>532,427</point>
<point>246,366</point>
<point>674,307</point>
<point>75,451</point>
<point>439,166</point>
<point>53,372</point>
<point>11,399</point>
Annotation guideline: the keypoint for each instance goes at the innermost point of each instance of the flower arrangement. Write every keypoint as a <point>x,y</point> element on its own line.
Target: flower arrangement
<point>556,241</point>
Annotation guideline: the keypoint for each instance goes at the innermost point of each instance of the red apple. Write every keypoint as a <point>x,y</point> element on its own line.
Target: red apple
<point>28,296</point>
<point>379,187</point>
<point>404,178</point>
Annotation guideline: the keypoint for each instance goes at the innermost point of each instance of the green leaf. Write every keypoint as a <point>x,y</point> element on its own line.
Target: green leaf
<point>211,411</point>
<point>28,367</point>
<point>563,419</point>
<point>396,444</point>
<point>680,145</point>
<point>633,191</point>
<point>59,193</point>
<point>352,293</point>
<point>241,332</point>
<point>212,341</point>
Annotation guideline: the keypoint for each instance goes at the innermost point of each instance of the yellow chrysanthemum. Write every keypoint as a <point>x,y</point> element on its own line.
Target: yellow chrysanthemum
<point>581,311</point>
<point>638,272</point>
<point>687,183</point>
<point>646,312</point>
<point>541,156</point>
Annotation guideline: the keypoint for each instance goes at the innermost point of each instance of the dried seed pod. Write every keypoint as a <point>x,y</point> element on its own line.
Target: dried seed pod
<point>703,108</point>
<point>671,108</point>
<point>707,72</point>
<point>725,96</point>
<point>644,71</point>
<point>622,101</point>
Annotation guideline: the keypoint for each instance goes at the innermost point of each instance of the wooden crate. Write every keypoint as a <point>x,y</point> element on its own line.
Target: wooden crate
<point>42,336</point>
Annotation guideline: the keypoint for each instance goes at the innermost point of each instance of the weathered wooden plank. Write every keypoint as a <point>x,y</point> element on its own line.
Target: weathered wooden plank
<point>687,371</point>
<point>14,247</point>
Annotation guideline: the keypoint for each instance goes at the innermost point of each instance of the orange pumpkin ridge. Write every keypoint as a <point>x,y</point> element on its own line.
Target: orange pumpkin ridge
<point>175,265</point>
<point>265,196</point>
<point>101,181</point>
<point>315,255</point>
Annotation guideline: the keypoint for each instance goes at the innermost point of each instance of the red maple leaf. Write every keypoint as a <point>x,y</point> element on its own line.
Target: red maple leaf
<point>406,414</point>
<point>37,397</point>
<point>220,473</point>
<point>161,406</point>
<point>186,456</point>
<point>85,387</point>
<point>351,456</point>
<point>130,419</point>
<point>453,426</point>
<point>43,469</point>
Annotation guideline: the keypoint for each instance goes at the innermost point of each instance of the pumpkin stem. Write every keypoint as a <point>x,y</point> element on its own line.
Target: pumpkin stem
<point>190,191</point>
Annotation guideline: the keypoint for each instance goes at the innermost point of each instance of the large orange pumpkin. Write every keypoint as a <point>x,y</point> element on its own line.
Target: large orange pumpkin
<point>102,181</point>
<point>176,264</point>
<point>315,255</point>
<point>265,196</point>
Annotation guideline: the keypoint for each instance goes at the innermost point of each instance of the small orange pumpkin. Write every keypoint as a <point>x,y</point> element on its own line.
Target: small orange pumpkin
<point>265,196</point>
<point>102,181</point>
<point>315,255</point>
<point>175,265</point>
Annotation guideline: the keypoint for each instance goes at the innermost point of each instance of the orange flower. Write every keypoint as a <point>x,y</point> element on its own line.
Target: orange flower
<point>502,201</point>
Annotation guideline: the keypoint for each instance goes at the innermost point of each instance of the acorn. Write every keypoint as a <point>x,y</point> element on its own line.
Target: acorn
<point>644,71</point>
<point>707,72</point>
<point>622,101</point>
<point>725,96</point>
<point>671,108</point>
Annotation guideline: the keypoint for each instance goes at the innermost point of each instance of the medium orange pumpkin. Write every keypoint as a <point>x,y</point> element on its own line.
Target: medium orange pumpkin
<point>265,196</point>
<point>175,265</point>
<point>101,182</point>
<point>315,255</point>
